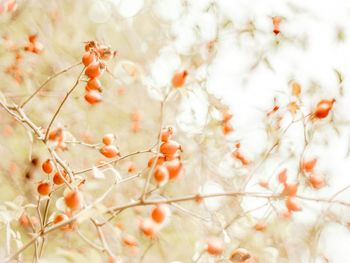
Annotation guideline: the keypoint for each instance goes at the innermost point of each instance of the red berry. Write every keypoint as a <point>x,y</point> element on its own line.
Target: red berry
<point>74,199</point>
<point>179,78</point>
<point>93,97</point>
<point>109,151</point>
<point>47,166</point>
<point>93,84</point>
<point>93,70</point>
<point>215,246</point>
<point>88,58</point>
<point>108,138</point>
<point>174,168</point>
<point>323,108</point>
<point>44,188</point>
<point>169,147</point>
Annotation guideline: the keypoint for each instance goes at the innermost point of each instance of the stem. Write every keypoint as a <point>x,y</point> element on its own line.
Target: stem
<point>47,81</point>
<point>62,103</point>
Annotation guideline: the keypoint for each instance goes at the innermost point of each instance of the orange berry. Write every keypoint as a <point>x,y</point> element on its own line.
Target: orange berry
<point>47,166</point>
<point>160,161</point>
<point>282,176</point>
<point>161,174</point>
<point>239,156</point>
<point>316,181</point>
<point>33,38</point>
<point>276,20</point>
<point>56,134</point>
<point>88,58</point>
<point>93,84</point>
<point>292,204</point>
<point>159,213</point>
<point>323,108</point>
<point>260,226</point>
<point>179,78</point>
<point>166,134</point>
<point>169,148</point>
<point>57,179</point>
<point>73,199</point>
<point>264,183</point>
<point>59,218</point>
<point>129,240</point>
<point>227,128</point>
<point>290,189</point>
<point>148,228</point>
<point>174,168</point>
<point>108,138</point>
<point>93,97</point>
<point>44,188</point>
<point>24,220</point>
<point>93,70</point>
<point>109,151</point>
<point>215,246</point>
<point>226,116</point>
<point>308,166</point>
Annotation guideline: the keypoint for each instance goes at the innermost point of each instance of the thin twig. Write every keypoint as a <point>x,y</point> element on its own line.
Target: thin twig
<point>61,105</point>
<point>47,81</point>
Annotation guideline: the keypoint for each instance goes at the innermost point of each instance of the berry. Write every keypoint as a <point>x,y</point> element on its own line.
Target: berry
<point>47,166</point>
<point>108,138</point>
<point>73,199</point>
<point>169,148</point>
<point>179,78</point>
<point>93,84</point>
<point>57,179</point>
<point>323,108</point>
<point>174,168</point>
<point>44,188</point>
<point>109,151</point>
<point>292,205</point>
<point>88,58</point>
<point>159,213</point>
<point>215,246</point>
<point>93,97</point>
<point>93,70</point>
<point>161,174</point>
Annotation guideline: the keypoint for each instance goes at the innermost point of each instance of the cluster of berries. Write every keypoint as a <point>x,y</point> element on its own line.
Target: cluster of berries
<point>33,45</point>
<point>92,59</point>
<point>168,163</point>
<point>72,198</point>
<point>158,217</point>
<point>315,180</point>
<point>108,150</point>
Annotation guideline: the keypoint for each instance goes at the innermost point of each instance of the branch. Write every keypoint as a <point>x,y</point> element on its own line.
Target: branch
<point>47,81</point>
<point>61,105</point>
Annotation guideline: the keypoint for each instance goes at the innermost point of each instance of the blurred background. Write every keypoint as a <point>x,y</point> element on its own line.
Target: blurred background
<point>235,63</point>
